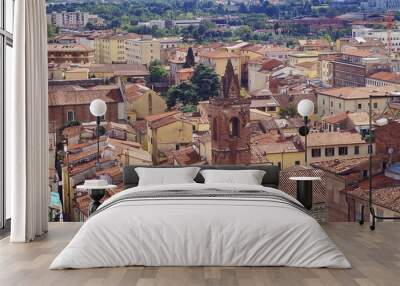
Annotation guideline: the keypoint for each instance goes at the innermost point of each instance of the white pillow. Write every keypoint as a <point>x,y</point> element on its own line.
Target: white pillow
<point>166,176</point>
<point>247,177</point>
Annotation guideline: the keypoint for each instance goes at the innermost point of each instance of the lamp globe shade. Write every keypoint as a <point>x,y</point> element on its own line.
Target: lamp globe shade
<point>305,107</point>
<point>98,107</point>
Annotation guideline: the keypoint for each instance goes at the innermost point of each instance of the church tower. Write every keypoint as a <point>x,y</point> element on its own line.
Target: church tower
<point>230,122</point>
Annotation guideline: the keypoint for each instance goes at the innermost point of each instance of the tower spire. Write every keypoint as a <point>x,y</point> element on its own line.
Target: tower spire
<point>230,83</point>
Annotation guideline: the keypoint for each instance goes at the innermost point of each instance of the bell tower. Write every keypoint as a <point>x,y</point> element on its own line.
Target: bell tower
<point>230,122</point>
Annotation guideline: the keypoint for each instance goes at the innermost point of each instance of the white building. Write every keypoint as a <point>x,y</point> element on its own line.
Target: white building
<point>68,20</point>
<point>142,51</point>
<point>380,34</point>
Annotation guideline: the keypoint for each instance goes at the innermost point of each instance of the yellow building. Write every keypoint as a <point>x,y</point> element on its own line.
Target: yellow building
<point>276,150</point>
<point>125,72</point>
<point>142,51</point>
<point>295,59</point>
<point>327,146</point>
<point>76,74</point>
<point>219,59</point>
<point>110,49</point>
<point>352,99</point>
<point>143,101</point>
<point>309,69</point>
<point>167,132</point>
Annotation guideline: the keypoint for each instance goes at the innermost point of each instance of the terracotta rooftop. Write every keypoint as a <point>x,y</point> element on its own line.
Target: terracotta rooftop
<point>341,166</point>
<point>51,48</point>
<point>136,91</point>
<point>186,156</point>
<point>359,118</point>
<point>334,138</point>
<point>386,76</point>
<point>270,64</point>
<point>156,117</point>
<point>335,118</point>
<point>81,96</point>
<point>352,51</point>
<point>357,92</point>
<point>119,69</point>
<point>126,36</point>
<point>386,192</point>
<point>219,54</point>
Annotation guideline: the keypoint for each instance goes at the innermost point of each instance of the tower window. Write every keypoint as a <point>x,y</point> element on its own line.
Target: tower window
<point>214,129</point>
<point>234,127</point>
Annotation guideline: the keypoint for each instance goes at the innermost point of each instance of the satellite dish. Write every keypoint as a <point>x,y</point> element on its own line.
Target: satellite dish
<point>390,151</point>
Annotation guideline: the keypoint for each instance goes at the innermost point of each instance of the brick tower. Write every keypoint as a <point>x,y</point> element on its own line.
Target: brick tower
<point>230,122</point>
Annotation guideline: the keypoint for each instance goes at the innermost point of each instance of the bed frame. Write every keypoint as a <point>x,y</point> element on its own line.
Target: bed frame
<point>270,179</point>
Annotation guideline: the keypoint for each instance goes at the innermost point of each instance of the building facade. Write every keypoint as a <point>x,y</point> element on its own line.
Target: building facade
<point>68,20</point>
<point>348,99</point>
<point>69,54</point>
<point>111,49</point>
<point>230,122</point>
<point>142,51</point>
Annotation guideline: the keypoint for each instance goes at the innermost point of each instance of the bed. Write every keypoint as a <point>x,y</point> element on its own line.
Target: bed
<point>197,224</point>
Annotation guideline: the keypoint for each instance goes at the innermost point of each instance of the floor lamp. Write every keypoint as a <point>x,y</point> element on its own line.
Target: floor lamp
<point>98,108</point>
<point>305,108</point>
<point>374,217</point>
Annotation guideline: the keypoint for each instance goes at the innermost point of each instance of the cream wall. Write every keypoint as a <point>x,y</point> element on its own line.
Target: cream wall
<point>219,65</point>
<point>301,58</point>
<point>142,51</point>
<point>350,152</point>
<point>166,138</point>
<point>256,80</point>
<point>149,103</point>
<point>286,159</point>
<point>108,51</point>
<point>331,105</point>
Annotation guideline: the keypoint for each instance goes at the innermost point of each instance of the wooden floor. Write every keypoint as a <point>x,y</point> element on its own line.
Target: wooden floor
<point>375,257</point>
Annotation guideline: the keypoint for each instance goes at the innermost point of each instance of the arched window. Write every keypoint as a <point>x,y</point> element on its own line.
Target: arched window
<point>214,129</point>
<point>234,127</point>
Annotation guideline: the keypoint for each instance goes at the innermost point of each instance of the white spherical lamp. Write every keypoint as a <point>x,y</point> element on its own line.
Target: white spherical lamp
<point>98,107</point>
<point>305,107</point>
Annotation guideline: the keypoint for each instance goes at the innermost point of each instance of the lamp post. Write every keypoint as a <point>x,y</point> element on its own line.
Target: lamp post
<point>393,96</point>
<point>305,108</point>
<point>98,108</point>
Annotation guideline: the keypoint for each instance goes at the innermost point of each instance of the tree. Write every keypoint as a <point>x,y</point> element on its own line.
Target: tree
<point>89,26</point>
<point>157,71</point>
<point>189,59</point>
<point>183,93</point>
<point>52,31</point>
<point>205,82</point>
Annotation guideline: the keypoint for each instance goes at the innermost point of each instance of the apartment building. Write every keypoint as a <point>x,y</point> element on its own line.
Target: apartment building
<point>69,54</point>
<point>381,34</point>
<point>350,99</point>
<point>218,60</point>
<point>326,146</point>
<point>259,71</point>
<point>142,51</point>
<point>142,101</point>
<point>352,68</point>
<point>384,79</point>
<point>68,20</point>
<point>111,49</point>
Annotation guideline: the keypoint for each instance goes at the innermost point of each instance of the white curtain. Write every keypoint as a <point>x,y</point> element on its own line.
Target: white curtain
<point>27,124</point>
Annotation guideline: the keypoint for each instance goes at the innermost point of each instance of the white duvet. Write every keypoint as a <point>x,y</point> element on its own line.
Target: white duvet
<point>200,231</point>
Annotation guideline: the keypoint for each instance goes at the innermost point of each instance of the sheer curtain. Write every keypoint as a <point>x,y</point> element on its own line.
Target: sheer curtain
<point>27,124</point>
